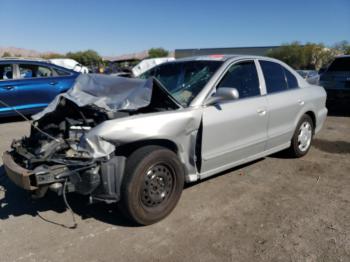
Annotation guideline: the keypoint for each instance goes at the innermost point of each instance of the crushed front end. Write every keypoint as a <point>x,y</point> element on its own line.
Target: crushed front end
<point>70,147</point>
<point>52,157</point>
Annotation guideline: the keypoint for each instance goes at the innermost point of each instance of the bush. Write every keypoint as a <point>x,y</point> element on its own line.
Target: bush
<point>157,52</point>
<point>6,54</point>
<point>309,56</point>
<point>52,56</point>
<point>87,58</point>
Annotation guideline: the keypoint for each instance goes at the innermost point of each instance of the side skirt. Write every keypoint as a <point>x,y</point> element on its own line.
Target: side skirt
<point>243,161</point>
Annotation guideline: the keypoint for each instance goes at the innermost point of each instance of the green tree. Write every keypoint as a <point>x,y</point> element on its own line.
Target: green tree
<point>157,52</point>
<point>52,56</point>
<point>6,54</point>
<point>88,57</point>
<point>343,47</point>
<point>308,56</point>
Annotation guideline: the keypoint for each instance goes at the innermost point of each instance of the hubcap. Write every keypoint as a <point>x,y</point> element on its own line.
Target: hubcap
<point>158,184</point>
<point>304,137</point>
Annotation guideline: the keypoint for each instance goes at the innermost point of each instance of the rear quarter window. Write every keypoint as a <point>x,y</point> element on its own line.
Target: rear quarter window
<point>61,72</point>
<point>340,64</point>
<point>292,81</point>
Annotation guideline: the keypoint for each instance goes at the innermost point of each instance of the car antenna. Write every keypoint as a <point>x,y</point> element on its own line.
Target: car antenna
<point>27,119</point>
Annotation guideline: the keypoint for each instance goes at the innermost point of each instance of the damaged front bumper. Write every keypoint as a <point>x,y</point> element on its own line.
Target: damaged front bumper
<point>100,179</point>
<point>22,177</point>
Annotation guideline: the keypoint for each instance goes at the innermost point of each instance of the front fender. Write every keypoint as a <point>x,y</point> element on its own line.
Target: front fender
<point>179,126</point>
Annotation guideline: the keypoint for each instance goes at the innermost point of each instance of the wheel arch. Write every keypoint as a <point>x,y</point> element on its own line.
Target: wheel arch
<point>128,148</point>
<point>312,115</point>
<point>309,112</point>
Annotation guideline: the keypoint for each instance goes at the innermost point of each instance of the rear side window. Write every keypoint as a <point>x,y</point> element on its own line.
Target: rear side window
<point>242,76</point>
<point>277,78</point>
<point>274,77</point>
<point>34,71</point>
<point>6,72</point>
<point>340,64</point>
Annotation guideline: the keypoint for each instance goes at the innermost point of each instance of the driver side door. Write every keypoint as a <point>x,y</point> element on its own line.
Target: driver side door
<point>235,131</point>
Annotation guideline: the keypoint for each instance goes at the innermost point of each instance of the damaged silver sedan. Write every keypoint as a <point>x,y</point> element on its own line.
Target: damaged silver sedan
<point>137,141</point>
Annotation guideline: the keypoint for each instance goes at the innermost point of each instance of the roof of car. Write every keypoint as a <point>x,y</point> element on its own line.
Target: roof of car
<point>33,60</point>
<point>23,59</point>
<point>342,56</point>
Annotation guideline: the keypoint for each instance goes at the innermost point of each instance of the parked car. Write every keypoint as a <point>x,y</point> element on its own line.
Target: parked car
<point>30,85</point>
<point>311,76</point>
<point>70,64</point>
<point>336,79</point>
<point>136,141</point>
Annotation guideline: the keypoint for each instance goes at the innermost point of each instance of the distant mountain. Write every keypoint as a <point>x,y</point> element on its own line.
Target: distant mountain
<point>138,56</point>
<point>15,51</point>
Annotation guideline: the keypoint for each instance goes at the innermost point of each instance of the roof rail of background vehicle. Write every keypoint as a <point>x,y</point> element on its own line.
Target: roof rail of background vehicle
<point>222,57</point>
<point>37,59</point>
<point>339,56</point>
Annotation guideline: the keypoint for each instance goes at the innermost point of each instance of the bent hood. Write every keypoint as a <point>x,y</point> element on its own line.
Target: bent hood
<point>110,93</point>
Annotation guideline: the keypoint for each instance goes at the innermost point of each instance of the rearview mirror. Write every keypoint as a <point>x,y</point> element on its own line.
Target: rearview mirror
<point>223,94</point>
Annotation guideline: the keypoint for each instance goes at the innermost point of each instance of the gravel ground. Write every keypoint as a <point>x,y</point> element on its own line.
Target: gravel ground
<point>275,209</point>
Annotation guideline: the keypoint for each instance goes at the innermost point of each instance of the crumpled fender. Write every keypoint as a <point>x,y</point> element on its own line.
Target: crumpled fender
<point>179,126</point>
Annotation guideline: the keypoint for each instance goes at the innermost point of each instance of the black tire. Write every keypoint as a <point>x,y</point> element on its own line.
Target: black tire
<point>295,149</point>
<point>152,185</point>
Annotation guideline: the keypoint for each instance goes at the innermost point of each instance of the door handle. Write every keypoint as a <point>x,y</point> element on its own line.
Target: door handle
<point>301,102</point>
<point>8,87</point>
<point>261,112</point>
<point>53,83</point>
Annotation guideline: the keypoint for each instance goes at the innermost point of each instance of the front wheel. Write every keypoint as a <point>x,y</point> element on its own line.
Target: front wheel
<point>152,186</point>
<point>302,138</point>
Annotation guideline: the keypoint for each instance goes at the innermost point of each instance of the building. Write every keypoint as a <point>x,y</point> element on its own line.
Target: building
<point>258,50</point>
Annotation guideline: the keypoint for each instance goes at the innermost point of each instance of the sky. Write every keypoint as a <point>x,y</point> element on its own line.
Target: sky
<point>121,27</point>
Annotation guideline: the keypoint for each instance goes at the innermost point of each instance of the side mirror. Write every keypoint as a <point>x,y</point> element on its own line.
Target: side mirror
<point>223,94</point>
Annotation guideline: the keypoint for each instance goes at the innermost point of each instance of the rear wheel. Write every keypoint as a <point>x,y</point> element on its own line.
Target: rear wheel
<point>302,138</point>
<point>153,183</point>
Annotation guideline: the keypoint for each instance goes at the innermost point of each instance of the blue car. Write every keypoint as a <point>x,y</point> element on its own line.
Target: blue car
<point>29,85</point>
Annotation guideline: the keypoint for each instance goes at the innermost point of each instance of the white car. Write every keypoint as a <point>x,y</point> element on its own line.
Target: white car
<point>70,64</point>
<point>147,64</point>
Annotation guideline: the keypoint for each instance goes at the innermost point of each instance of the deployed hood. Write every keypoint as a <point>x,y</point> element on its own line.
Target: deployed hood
<point>110,93</point>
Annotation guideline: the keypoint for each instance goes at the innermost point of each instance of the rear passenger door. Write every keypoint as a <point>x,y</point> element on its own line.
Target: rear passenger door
<point>285,100</point>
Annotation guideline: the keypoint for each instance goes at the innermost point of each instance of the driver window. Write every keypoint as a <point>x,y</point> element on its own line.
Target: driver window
<point>242,76</point>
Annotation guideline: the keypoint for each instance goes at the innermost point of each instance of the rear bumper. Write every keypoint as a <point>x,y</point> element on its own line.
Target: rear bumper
<point>321,118</point>
<point>19,175</point>
<point>338,94</point>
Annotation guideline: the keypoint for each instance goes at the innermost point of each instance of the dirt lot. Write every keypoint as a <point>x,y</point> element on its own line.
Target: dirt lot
<point>275,209</point>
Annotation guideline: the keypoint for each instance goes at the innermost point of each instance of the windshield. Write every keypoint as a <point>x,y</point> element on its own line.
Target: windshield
<point>340,64</point>
<point>185,79</point>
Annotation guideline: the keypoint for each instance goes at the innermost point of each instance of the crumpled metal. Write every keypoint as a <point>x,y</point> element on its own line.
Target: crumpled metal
<point>107,92</point>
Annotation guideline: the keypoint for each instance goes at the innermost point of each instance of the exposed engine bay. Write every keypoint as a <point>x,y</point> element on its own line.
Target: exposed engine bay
<point>57,154</point>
